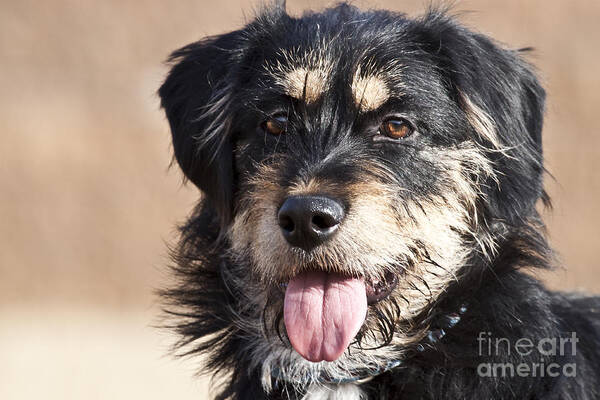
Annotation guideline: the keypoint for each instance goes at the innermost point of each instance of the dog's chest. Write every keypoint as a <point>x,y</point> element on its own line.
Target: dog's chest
<point>347,391</point>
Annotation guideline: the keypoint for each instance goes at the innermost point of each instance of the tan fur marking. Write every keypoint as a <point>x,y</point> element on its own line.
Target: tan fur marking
<point>369,92</point>
<point>480,121</point>
<point>313,186</point>
<point>306,84</point>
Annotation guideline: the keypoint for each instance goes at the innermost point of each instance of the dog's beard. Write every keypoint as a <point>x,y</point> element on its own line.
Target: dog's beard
<point>387,335</point>
<point>380,341</point>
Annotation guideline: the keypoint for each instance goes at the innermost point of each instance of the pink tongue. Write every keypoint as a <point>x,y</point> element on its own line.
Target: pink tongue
<point>323,312</point>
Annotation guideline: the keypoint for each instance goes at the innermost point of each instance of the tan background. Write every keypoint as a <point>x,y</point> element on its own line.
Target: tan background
<point>87,200</point>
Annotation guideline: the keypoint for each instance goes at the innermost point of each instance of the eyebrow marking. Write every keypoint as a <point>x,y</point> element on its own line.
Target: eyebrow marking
<point>305,84</point>
<point>369,92</point>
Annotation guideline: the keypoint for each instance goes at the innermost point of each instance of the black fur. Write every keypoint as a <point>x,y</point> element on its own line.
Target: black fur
<point>215,98</point>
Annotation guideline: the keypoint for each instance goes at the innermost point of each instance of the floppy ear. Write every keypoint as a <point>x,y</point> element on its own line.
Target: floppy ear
<point>197,97</point>
<point>504,103</point>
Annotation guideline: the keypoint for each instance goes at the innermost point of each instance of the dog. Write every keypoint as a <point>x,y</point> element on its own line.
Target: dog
<point>368,225</point>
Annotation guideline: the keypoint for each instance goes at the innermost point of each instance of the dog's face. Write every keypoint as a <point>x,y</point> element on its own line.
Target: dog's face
<point>357,163</point>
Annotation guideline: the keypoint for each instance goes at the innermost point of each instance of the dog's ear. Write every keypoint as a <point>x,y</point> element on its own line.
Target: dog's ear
<point>197,98</point>
<point>504,103</point>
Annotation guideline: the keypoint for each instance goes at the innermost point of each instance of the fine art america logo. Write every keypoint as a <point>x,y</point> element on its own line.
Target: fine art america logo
<point>544,351</point>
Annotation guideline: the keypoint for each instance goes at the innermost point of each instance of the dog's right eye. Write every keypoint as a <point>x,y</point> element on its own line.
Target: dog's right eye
<point>275,125</point>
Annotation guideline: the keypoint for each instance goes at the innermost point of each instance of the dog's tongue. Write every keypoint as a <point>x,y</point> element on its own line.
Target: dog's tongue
<point>322,313</point>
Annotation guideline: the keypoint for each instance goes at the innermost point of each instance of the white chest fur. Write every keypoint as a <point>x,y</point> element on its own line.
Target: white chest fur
<point>346,391</point>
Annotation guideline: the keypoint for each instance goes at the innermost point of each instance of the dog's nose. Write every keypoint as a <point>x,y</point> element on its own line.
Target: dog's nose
<point>308,221</point>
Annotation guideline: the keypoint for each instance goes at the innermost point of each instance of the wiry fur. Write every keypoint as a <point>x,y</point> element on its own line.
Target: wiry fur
<point>449,210</point>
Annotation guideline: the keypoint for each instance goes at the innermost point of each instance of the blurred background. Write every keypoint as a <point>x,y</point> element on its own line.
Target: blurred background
<point>87,201</point>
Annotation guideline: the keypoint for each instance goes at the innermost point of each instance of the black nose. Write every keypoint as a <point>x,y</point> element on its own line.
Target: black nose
<point>308,221</point>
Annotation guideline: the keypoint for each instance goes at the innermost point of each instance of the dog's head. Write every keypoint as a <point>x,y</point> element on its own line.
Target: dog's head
<point>357,162</point>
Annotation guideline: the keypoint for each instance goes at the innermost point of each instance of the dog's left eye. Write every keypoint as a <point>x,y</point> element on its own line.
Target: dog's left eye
<point>396,128</point>
<point>275,125</point>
